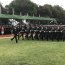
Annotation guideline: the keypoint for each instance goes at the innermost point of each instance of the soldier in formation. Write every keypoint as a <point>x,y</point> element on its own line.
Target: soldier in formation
<point>39,32</point>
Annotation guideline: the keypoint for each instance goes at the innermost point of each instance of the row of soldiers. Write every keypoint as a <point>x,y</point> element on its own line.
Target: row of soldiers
<point>39,32</point>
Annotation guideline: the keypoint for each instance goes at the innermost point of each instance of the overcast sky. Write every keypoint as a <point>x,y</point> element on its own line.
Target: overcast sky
<point>41,2</point>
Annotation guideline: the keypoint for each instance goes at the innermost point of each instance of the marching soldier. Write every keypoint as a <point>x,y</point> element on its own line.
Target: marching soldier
<point>15,34</point>
<point>63,37</point>
<point>22,32</point>
<point>58,33</point>
<point>27,32</point>
<point>18,31</point>
<point>46,33</point>
<point>61,33</point>
<point>42,33</point>
<point>37,32</point>
<point>55,32</point>
<point>49,32</point>
<point>52,33</point>
<point>32,32</point>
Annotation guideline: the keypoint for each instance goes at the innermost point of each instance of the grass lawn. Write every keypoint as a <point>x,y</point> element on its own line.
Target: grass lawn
<point>31,52</point>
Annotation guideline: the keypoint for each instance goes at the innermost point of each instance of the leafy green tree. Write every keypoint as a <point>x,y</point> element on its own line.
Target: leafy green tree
<point>45,10</point>
<point>23,6</point>
<point>59,14</point>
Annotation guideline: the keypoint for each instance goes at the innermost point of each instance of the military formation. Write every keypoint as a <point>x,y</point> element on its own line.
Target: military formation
<point>39,32</point>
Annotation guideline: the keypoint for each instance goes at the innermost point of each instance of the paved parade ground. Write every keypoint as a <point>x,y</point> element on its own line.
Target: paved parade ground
<point>5,36</point>
<point>31,52</point>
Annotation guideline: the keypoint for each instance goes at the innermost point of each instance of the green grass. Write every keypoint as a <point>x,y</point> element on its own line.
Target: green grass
<point>28,52</point>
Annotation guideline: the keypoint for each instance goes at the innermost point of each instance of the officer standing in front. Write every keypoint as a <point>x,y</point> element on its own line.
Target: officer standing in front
<point>15,34</point>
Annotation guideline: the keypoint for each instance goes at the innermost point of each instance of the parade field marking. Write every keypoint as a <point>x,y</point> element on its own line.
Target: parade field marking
<point>31,52</point>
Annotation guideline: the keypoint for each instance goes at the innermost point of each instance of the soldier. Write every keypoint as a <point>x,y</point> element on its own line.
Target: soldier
<point>27,32</point>
<point>61,32</point>
<point>52,33</point>
<point>46,33</point>
<point>15,34</point>
<point>41,33</point>
<point>22,32</point>
<point>49,32</point>
<point>57,33</point>
<point>18,31</point>
<point>63,37</point>
<point>32,31</point>
<point>37,32</point>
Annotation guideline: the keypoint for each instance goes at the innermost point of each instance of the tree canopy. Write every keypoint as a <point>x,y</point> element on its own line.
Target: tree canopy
<point>23,6</point>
